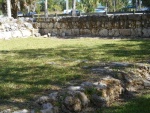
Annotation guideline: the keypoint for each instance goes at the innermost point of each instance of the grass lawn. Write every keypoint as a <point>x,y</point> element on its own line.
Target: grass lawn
<point>33,67</point>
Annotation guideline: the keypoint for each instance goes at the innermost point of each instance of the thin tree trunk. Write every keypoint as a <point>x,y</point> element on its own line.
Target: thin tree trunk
<point>73,7</point>
<point>8,9</point>
<point>14,8</point>
<point>46,11</point>
<point>67,6</point>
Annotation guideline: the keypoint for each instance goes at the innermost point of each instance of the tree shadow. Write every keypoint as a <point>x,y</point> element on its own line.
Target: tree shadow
<point>29,72</point>
<point>137,105</point>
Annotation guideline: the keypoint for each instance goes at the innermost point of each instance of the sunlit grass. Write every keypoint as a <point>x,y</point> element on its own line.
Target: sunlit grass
<point>33,66</point>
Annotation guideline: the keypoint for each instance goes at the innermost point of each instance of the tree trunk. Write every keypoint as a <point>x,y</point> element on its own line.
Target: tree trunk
<point>46,10</point>
<point>14,8</point>
<point>8,9</point>
<point>73,7</point>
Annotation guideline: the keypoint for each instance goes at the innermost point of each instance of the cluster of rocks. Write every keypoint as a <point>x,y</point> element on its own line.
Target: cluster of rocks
<point>118,79</point>
<point>115,79</point>
<point>96,25</point>
<point>13,28</point>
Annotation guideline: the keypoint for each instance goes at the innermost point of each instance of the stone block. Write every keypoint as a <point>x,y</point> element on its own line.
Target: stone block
<point>103,32</point>
<point>136,32</point>
<point>75,32</point>
<point>146,33</point>
<point>50,25</point>
<point>134,17</point>
<point>114,32</point>
<point>95,32</point>
<point>58,25</point>
<point>68,32</point>
<point>85,32</point>
<point>43,25</point>
<point>63,26</point>
<point>125,32</point>
<point>54,32</point>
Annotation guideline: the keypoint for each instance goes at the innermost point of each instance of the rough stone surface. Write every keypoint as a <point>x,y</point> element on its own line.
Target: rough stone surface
<point>95,25</point>
<point>16,28</point>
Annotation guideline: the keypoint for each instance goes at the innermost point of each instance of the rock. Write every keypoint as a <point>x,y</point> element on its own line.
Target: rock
<point>26,33</point>
<point>75,88</point>
<point>84,99</point>
<point>43,100</point>
<point>16,33</point>
<point>98,101</point>
<point>12,28</point>
<point>120,64</point>
<point>49,110</point>
<point>87,84</point>
<point>21,111</point>
<point>28,25</point>
<point>73,104</point>
<point>47,106</point>
<point>146,83</point>
<point>6,111</point>
<point>37,34</point>
<point>53,96</point>
<point>100,85</point>
<point>49,34</point>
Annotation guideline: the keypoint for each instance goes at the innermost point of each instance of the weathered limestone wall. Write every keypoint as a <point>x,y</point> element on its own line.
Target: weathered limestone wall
<point>104,26</point>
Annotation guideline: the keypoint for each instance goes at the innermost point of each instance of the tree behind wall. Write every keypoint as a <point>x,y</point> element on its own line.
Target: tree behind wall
<point>146,3</point>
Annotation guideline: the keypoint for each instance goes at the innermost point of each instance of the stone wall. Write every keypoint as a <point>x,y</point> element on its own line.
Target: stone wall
<point>104,26</point>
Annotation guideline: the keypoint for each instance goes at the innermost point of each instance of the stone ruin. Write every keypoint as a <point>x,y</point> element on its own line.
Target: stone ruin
<point>114,80</point>
<point>17,28</point>
<point>133,26</point>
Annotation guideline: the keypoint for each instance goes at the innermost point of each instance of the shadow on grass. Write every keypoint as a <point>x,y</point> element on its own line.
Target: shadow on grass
<point>137,105</point>
<point>29,72</point>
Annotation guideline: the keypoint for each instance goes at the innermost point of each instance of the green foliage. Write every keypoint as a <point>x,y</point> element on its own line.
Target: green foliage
<point>146,3</point>
<point>56,5</point>
<point>113,5</point>
<point>88,5</point>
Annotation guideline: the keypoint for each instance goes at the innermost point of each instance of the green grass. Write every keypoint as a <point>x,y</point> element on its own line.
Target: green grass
<point>35,66</point>
<point>137,105</point>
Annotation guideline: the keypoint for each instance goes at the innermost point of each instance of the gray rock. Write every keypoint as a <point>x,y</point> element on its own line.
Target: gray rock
<point>87,84</point>
<point>21,111</point>
<point>43,100</point>
<point>100,85</point>
<point>47,106</point>
<point>99,101</point>
<point>49,110</point>
<point>6,111</point>
<point>120,64</point>
<point>73,104</point>
<point>146,83</point>
<point>53,96</point>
